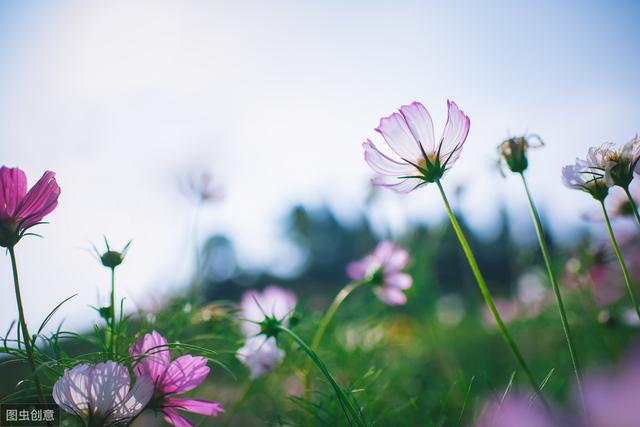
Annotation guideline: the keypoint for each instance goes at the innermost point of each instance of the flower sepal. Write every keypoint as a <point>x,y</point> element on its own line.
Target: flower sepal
<point>270,326</point>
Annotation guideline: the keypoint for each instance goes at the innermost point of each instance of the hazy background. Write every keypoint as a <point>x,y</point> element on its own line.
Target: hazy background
<point>123,99</point>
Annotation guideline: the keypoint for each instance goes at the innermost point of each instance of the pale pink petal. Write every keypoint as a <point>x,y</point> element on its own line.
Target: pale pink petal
<point>361,269</point>
<point>398,280</point>
<point>13,187</point>
<point>391,296</point>
<point>151,355</point>
<point>260,354</point>
<point>41,199</point>
<point>419,121</point>
<point>71,391</point>
<point>197,406</point>
<point>108,386</point>
<point>135,401</point>
<point>398,185</point>
<point>455,133</point>
<point>395,131</point>
<point>391,256</point>
<point>173,417</point>
<point>384,165</point>
<point>183,374</point>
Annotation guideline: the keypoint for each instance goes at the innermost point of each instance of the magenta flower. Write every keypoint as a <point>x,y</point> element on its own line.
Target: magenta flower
<point>152,357</point>
<point>409,133</point>
<point>383,268</point>
<point>21,210</point>
<point>515,411</point>
<point>102,395</point>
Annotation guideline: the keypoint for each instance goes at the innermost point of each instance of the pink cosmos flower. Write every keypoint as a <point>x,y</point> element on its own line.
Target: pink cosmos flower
<point>383,267</point>
<point>515,411</point>
<point>409,133</point>
<point>102,395</point>
<point>272,301</point>
<point>152,358</point>
<point>260,353</point>
<point>19,209</point>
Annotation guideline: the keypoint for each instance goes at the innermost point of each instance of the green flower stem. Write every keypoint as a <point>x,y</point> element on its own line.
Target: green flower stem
<point>484,290</point>
<point>324,324</point>
<point>23,325</point>
<point>625,272</point>
<point>634,207</point>
<point>349,407</point>
<point>112,344</point>
<point>556,290</point>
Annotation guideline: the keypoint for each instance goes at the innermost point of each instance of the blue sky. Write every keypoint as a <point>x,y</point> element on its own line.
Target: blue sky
<point>121,98</point>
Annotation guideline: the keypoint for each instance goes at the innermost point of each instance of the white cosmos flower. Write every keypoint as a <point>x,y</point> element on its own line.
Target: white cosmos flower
<point>422,159</point>
<point>101,395</point>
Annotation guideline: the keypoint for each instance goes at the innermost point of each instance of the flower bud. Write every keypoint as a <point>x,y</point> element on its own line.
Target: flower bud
<point>110,258</point>
<point>514,152</point>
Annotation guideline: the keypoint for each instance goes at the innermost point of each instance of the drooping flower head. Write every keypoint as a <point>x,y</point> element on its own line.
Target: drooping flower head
<point>261,313</point>
<point>513,151</point>
<point>272,304</point>
<point>409,133</point>
<point>383,268</point>
<point>589,175</point>
<point>101,395</point>
<point>516,410</point>
<point>620,165</point>
<point>260,354</point>
<point>21,210</point>
<point>172,377</point>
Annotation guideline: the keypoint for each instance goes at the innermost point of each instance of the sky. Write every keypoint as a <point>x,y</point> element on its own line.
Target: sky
<point>122,98</point>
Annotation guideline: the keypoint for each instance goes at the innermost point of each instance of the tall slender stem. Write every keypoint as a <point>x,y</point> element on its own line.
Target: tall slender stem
<point>634,207</point>
<point>23,325</point>
<point>625,272</point>
<point>349,407</point>
<point>556,290</point>
<point>324,324</point>
<point>112,338</point>
<point>484,290</point>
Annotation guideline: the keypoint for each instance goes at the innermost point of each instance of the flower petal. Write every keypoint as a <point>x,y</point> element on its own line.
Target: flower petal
<point>390,295</point>
<point>108,386</point>
<point>420,124</point>
<point>184,374</point>
<point>41,199</point>
<point>260,354</point>
<point>197,406</point>
<point>173,417</point>
<point>454,135</point>
<point>395,131</point>
<point>13,187</point>
<point>399,185</point>
<point>151,355</point>
<point>398,280</point>
<point>71,391</point>
<point>384,165</point>
<point>135,401</point>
